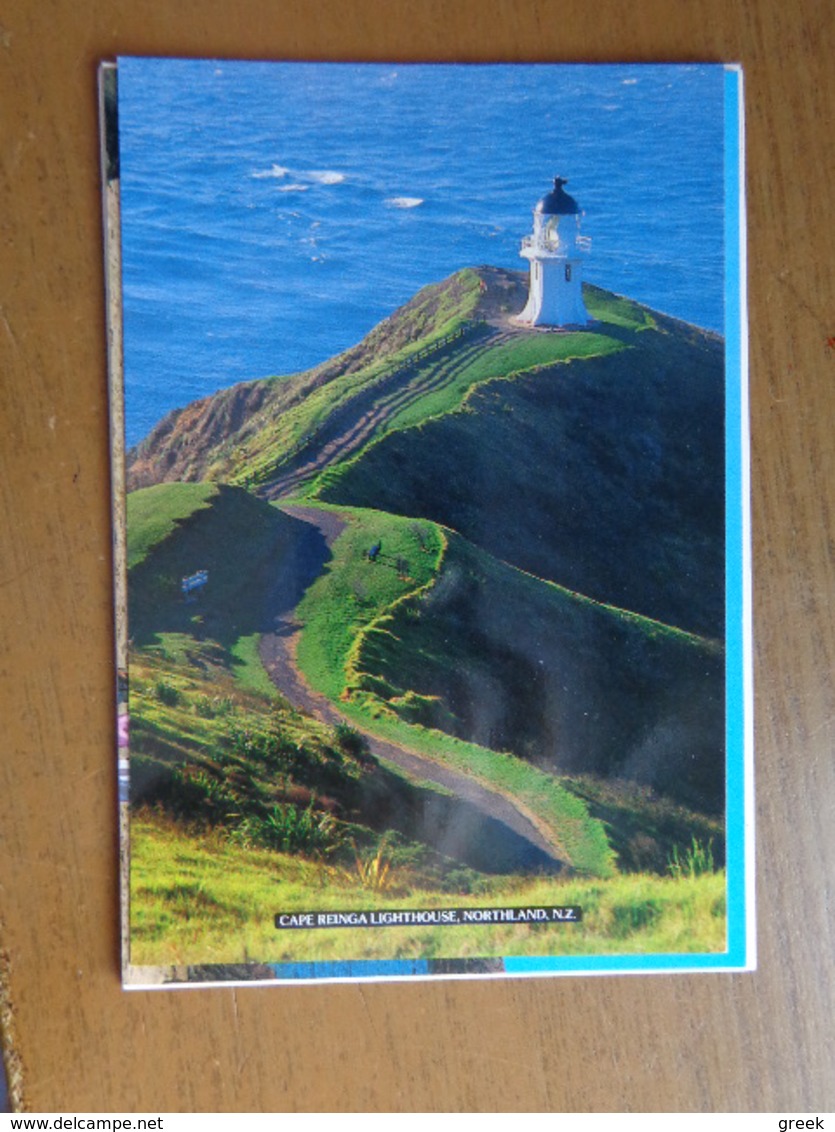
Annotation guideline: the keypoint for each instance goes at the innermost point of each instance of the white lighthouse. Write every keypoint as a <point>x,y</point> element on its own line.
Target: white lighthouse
<point>556,251</point>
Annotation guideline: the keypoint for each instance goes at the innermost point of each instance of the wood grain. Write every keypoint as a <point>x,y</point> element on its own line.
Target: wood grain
<point>673,1043</point>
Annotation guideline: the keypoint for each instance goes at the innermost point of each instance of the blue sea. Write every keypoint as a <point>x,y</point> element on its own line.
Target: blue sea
<point>273,213</point>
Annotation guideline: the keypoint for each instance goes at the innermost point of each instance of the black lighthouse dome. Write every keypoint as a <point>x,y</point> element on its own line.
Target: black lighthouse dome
<point>558,202</point>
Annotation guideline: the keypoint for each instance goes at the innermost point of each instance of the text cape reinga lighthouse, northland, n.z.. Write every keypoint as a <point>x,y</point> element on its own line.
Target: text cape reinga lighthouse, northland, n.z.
<point>556,251</point>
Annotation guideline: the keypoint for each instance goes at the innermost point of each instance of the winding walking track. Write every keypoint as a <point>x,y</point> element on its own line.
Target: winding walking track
<point>370,411</point>
<point>483,815</point>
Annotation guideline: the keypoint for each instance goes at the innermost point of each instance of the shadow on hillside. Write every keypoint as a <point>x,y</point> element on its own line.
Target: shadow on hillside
<point>454,828</point>
<point>260,561</point>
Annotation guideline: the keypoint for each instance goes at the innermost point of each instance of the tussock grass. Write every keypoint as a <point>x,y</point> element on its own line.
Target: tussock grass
<point>374,871</point>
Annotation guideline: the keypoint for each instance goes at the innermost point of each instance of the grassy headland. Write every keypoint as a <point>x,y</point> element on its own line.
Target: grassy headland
<point>542,614</point>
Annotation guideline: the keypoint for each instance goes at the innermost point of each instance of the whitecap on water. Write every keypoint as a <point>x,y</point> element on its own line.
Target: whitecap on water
<point>304,177</point>
<point>404,202</point>
<point>273,171</point>
<point>325,176</point>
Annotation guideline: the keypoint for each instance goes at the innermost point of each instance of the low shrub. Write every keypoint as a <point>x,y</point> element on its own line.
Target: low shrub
<point>192,793</point>
<point>350,741</point>
<point>166,693</point>
<point>291,829</point>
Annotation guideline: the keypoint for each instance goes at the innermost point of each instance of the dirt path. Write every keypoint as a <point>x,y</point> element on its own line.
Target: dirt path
<point>484,807</point>
<point>352,424</point>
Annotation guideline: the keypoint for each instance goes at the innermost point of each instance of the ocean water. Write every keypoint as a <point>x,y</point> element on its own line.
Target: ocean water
<point>273,213</point>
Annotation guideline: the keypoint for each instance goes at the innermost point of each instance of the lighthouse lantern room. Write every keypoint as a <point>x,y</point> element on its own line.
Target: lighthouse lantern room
<point>556,251</point>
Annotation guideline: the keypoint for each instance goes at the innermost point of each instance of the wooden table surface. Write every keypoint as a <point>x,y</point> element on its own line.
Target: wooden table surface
<point>74,1040</point>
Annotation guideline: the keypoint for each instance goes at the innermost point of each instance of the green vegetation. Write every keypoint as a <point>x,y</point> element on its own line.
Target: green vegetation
<point>588,472</point>
<point>435,314</point>
<point>246,663</point>
<point>212,743</point>
<point>400,375</point>
<point>254,748</point>
<point>155,513</point>
<point>216,751</point>
<point>241,542</point>
<point>374,869</point>
<point>645,829</point>
<point>353,591</point>
<point>616,310</point>
<point>518,664</point>
<point>440,663</point>
<point>504,601</point>
<point>490,361</point>
<point>695,861</point>
<point>353,602</point>
<point>560,815</point>
<point>292,829</point>
<point>206,899</point>
<point>208,755</point>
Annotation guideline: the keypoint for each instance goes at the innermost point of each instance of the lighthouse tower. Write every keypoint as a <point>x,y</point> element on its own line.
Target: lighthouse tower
<point>556,251</point>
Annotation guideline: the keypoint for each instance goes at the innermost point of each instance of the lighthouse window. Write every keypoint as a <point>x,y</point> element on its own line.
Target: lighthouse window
<point>568,273</point>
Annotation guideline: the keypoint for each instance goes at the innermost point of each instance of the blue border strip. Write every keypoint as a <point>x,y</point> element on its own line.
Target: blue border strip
<point>736,528</point>
<point>352,969</point>
<point>618,964</point>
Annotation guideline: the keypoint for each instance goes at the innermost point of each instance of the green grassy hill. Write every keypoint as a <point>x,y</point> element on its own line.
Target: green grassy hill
<point>351,602</point>
<point>550,597</point>
<point>510,662</point>
<point>245,433</point>
<point>420,362</point>
<point>604,473</point>
<point>155,514</point>
<point>591,458</point>
<point>177,529</point>
<point>213,744</point>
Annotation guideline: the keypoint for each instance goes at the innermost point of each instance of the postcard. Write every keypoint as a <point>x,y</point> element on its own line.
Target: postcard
<point>430,488</point>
